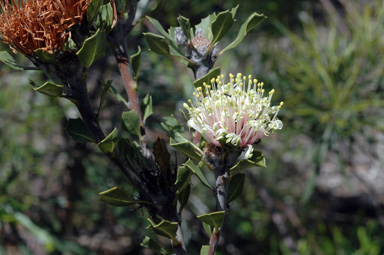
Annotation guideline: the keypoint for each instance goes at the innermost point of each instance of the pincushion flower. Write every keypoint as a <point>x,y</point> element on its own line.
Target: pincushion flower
<point>39,24</point>
<point>234,114</point>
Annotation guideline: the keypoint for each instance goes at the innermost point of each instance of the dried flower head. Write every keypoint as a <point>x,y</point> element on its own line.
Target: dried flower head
<point>39,24</point>
<point>235,114</point>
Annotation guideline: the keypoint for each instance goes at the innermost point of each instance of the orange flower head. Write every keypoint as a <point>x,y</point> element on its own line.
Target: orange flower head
<point>39,24</point>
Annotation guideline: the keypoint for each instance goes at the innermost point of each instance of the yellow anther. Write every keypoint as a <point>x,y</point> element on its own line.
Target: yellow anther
<point>262,91</point>
<point>231,76</point>
<point>244,78</point>
<point>241,84</point>
<point>255,81</point>
<point>190,101</point>
<point>222,76</point>
<point>250,78</point>
<point>212,80</point>
<point>271,92</point>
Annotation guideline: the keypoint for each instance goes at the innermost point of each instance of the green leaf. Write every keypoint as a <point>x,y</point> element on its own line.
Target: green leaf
<point>234,10</point>
<point>118,96</point>
<point>185,26</point>
<point>104,18</point>
<point>136,62</point>
<point>207,229</point>
<point>104,93</point>
<point>207,78</point>
<point>214,219</point>
<point>178,139</point>
<point>204,250</point>
<point>93,9</point>
<point>183,197</point>
<point>46,56</point>
<point>147,105</point>
<point>152,245</point>
<point>221,25</point>
<point>165,228</point>
<point>109,143</point>
<point>48,88</point>
<point>78,131</point>
<point>257,160</point>
<point>253,20</point>
<point>183,178</point>
<point>235,188</point>
<point>131,122</point>
<point>173,128</point>
<point>118,196</point>
<point>160,28</point>
<point>129,151</point>
<point>7,59</point>
<point>93,48</point>
<point>205,25</point>
<point>186,147</point>
<point>197,171</point>
<point>157,44</point>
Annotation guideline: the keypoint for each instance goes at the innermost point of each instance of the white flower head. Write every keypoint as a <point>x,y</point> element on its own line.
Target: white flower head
<point>234,114</point>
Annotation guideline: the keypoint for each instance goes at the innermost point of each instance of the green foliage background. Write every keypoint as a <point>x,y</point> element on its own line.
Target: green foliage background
<point>330,78</point>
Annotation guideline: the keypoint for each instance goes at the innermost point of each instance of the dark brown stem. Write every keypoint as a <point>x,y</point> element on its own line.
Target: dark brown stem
<point>89,117</point>
<point>222,174</point>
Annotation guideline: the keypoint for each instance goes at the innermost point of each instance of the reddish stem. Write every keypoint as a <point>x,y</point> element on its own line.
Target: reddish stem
<point>129,84</point>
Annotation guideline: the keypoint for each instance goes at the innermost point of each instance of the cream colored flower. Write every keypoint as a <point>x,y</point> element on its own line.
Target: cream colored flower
<point>235,114</point>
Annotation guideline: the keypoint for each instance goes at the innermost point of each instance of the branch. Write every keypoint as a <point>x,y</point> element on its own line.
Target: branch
<point>222,174</point>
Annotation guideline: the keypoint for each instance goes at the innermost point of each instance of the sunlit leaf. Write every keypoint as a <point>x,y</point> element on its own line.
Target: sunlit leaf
<point>207,78</point>
<point>7,59</point>
<point>136,62</point>
<point>214,219</point>
<point>253,20</point>
<point>157,44</point>
<point>131,122</point>
<point>48,88</point>
<point>221,25</point>
<point>93,48</point>
<point>165,228</point>
<point>118,196</point>
<point>109,143</point>
<point>147,105</point>
<point>205,25</point>
<point>185,26</point>
<point>183,178</point>
<point>257,160</point>
<point>92,9</point>
<point>204,250</point>
<point>197,171</point>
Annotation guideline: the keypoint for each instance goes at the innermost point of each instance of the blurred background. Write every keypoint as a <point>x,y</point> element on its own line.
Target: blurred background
<point>322,192</point>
